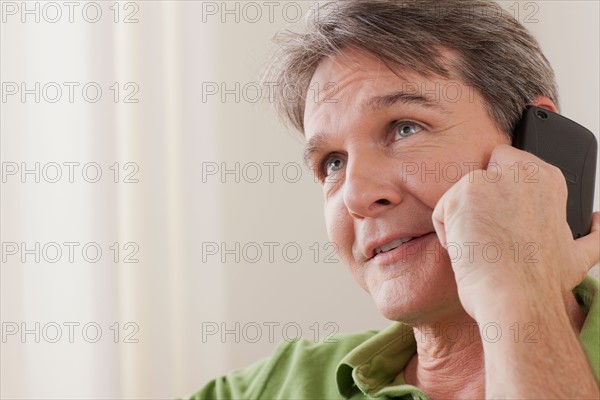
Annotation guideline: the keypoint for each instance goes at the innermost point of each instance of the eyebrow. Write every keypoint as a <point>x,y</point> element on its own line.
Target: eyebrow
<point>314,145</point>
<point>377,103</point>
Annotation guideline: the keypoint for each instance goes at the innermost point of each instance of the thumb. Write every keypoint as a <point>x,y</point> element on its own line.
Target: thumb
<point>438,219</point>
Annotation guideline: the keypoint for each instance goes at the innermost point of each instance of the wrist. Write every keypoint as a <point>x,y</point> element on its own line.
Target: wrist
<point>533,349</point>
<point>509,301</point>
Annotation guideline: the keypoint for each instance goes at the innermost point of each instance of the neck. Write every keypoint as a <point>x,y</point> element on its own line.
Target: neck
<point>449,359</point>
<point>449,362</point>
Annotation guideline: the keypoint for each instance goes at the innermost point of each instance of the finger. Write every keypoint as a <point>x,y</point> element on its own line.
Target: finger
<point>446,205</point>
<point>506,154</point>
<point>590,243</point>
<point>438,219</point>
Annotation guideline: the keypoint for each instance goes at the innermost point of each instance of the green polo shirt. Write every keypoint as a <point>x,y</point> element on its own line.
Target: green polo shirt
<point>362,365</point>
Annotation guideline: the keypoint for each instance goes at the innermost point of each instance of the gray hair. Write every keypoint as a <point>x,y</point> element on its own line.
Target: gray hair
<point>496,54</point>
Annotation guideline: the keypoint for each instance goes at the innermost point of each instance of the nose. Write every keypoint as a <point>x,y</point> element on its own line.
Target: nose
<point>371,184</point>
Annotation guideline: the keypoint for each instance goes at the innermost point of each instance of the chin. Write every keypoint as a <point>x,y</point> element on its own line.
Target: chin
<point>414,304</point>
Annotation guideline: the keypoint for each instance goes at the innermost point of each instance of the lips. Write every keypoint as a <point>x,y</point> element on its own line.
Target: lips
<point>389,243</point>
<point>392,245</point>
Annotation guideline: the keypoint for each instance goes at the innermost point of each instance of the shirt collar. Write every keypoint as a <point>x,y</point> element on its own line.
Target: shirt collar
<point>378,362</point>
<point>586,294</point>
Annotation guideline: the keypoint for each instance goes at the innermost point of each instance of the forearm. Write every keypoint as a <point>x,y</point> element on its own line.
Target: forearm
<point>538,355</point>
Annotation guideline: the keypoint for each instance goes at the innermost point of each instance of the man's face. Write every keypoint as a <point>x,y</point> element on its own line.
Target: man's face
<point>387,147</point>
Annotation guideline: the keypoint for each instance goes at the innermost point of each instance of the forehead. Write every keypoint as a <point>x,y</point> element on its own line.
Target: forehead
<point>350,79</point>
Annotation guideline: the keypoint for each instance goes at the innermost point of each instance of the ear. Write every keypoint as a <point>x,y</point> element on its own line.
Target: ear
<point>545,102</point>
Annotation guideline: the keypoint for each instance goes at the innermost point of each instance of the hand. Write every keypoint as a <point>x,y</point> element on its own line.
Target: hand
<point>509,224</point>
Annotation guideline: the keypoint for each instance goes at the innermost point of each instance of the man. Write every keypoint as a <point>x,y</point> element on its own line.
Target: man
<point>477,265</point>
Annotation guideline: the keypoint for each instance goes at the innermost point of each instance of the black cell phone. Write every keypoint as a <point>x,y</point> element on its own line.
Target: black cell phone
<point>570,147</point>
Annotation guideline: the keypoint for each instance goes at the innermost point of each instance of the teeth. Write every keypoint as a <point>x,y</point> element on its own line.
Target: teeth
<point>392,245</point>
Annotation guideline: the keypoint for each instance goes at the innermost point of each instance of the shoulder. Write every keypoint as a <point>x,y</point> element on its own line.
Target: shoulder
<point>296,369</point>
<point>334,347</point>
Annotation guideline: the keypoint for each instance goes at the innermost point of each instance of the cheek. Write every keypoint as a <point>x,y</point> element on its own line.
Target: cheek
<point>432,178</point>
<point>340,229</point>
<point>439,172</point>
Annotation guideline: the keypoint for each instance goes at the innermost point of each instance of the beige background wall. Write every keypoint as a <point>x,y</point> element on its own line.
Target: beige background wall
<point>169,302</point>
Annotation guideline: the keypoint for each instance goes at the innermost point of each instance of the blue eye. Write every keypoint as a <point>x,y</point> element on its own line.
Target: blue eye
<point>333,164</point>
<point>405,129</point>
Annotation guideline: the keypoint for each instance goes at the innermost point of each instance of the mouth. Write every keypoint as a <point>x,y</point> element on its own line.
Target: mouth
<point>396,247</point>
<point>392,245</point>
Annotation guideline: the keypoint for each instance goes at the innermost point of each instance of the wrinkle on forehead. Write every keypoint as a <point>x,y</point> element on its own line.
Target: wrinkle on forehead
<point>352,66</point>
